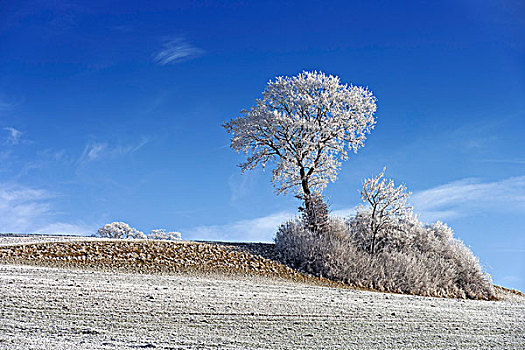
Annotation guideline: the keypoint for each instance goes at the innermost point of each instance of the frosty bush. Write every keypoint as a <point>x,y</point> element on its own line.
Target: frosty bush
<point>123,230</point>
<point>431,262</point>
<point>417,259</point>
<point>315,213</point>
<point>120,230</point>
<point>403,255</point>
<point>311,251</point>
<point>162,234</point>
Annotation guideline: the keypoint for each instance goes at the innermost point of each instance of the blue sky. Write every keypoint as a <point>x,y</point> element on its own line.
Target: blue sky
<point>111,111</point>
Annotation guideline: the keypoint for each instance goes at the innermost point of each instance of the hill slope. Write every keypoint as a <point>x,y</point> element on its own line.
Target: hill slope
<point>49,308</point>
<point>122,294</point>
<point>153,256</point>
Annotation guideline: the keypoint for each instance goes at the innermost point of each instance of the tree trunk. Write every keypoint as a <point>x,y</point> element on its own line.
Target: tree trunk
<point>373,244</point>
<point>306,188</point>
<point>315,211</point>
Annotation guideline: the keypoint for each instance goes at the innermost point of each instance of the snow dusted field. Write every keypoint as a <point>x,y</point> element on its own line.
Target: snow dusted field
<point>48,308</point>
<point>15,239</point>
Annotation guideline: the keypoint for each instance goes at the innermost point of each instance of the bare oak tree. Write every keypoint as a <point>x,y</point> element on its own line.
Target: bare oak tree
<point>305,125</point>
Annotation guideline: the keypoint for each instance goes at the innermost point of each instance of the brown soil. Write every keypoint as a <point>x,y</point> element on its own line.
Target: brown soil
<point>164,257</point>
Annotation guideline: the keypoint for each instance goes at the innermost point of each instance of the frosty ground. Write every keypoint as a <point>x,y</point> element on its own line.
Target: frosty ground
<point>61,308</point>
<point>46,308</point>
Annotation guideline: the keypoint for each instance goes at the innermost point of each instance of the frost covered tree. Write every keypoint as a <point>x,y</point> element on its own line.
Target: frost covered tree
<point>120,230</point>
<point>305,125</point>
<point>162,234</point>
<point>388,206</point>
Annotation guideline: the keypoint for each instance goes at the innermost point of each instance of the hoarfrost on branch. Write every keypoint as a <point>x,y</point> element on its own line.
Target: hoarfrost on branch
<point>388,206</point>
<point>120,230</point>
<point>306,125</point>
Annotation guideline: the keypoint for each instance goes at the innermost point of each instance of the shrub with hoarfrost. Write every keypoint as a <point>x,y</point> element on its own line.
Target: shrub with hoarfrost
<point>418,259</point>
<point>395,253</point>
<point>162,234</point>
<point>310,251</point>
<point>428,261</point>
<point>315,213</point>
<point>120,230</point>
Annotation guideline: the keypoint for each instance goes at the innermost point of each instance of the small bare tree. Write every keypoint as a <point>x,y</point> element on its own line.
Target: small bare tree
<point>388,205</point>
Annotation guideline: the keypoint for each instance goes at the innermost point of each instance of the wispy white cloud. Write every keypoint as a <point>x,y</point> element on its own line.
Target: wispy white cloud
<point>462,198</point>
<point>19,206</point>
<point>14,135</point>
<point>13,194</point>
<point>175,51</point>
<point>94,151</point>
<point>29,210</point>
<point>44,158</point>
<point>99,150</point>
<point>63,228</point>
<point>240,185</point>
<point>261,229</point>
<point>459,198</point>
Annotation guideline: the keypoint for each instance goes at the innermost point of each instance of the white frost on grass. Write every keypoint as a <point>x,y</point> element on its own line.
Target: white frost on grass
<point>9,240</point>
<point>75,309</point>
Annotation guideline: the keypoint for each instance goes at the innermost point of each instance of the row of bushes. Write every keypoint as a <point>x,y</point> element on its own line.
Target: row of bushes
<point>123,230</point>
